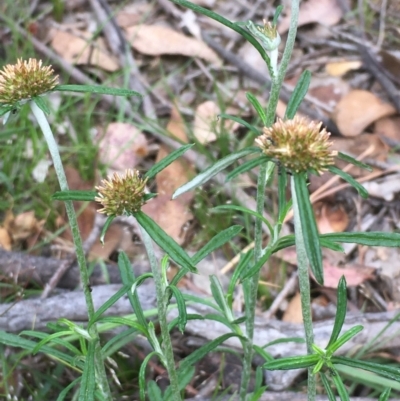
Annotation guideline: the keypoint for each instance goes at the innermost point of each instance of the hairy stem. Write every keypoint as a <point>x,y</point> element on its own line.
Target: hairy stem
<point>102,381</point>
<point>162,310</point>
<point>304,284</point>
<point>251,285</point>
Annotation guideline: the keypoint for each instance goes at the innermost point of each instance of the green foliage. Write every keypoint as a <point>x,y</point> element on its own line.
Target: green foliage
<point>79,348</point>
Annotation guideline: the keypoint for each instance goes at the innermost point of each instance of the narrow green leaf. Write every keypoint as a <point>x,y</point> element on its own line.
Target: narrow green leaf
<point>261,351</point>
<point>219,296</point>
<point>348,335</point>
<point>75,195</point>
<point>277,14</point>
<point>17,341</point>
<point>247,166</point>
<point>292,362</point>
<point>184,377</point>
<point>248,211</point>
<point>123,321</point>
<point>349,179</point>
<point>110,302</point>
<point>371,238</point>
<point>213,170</point>
<point>239,320</point>
<point>341,310</point>
<point>368,379</point>
<point>102,90</point>
<point>232,25</point>
<point>216,242</point>
<point>339,385</point>
<point>351,160</point>
<point>128,278</point>
<point>258,107</point>
<point>204,350</point>
<point>282,190</point>
<point>153,391</point>
<point>106,226</point>
<point>42,104</point>
<point>189,316</point>
<point>140,280</point>
<point>182,316</point>
<point>289,240</point>
<point>259,377</point>
<point>49,338</point>
<point>5,110</point>
<point>244,261</point>
<point>309,227</point>
<point>385,395</point>
<point>298,94</point>
<point>118,341</point>
<point>297,340</point>
<point>88,381</point>
<point>162,239</point>
<point>179,275</point>
<point>239,120</point>
<point>201,301</point>
<point>162,164</point>
<point>327,386</point>
<point>390,372</point>
<point>142,373</point>
<point>257,267</point>
<point>64,393</point>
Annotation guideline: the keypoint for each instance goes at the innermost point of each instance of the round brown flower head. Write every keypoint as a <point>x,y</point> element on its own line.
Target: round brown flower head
<point>122,194</point>
<point>25,80</point>
<point>298,144</point>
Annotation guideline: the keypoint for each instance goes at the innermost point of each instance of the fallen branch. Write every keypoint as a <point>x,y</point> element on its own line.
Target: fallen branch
<point>36,313</point>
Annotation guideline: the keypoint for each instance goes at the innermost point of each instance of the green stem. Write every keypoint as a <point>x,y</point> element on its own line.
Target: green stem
<point>102,381</point>
<point>162,310</point>
<point>304,284</point>
<point>251,285</point>
<point>287,54</point>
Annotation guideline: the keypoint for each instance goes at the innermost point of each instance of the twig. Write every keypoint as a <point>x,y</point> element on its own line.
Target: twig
<point>382,17</point>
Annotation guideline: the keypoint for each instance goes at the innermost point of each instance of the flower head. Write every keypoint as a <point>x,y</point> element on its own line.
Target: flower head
<point>298,144</point>
<point>122,194</point>
<point>25,80</point>
<point>267,34</point>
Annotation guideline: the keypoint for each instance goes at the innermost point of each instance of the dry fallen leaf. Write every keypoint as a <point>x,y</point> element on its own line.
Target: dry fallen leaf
<point>354,275</point>
<point>170,215</point>
<point>389,127</point>
<point>155,40</point>
<point>359,109</point>
<point>206,122</point>
<point>5,239</point>
<point>112,241</point>
<point>330,218</point>
<point>23,227</point>
<point>122,146</point>
<point>132,14</point>
<point>293,313</point>
<point>339,68</point>
<point>326,12</point>
<point>77,50</point>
